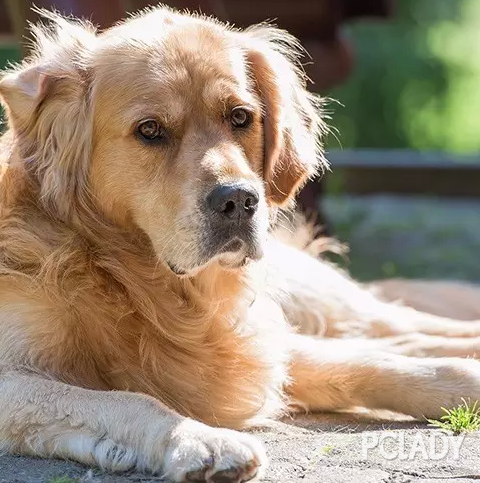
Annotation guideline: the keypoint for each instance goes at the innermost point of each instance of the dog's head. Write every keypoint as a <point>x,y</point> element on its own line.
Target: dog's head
<point>174,124</point>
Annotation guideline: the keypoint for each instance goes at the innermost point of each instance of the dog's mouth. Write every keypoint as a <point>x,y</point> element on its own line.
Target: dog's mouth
<point>233,246</point>
<point>238,253</point>
<point>233,255</point>
<point>176,270</point>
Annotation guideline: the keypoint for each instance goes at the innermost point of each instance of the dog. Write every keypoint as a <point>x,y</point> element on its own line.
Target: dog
<point>147,310</point>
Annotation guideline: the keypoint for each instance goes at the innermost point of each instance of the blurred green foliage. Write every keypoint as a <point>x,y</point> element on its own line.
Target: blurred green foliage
<point>416,82</point>
<point>8,53</point>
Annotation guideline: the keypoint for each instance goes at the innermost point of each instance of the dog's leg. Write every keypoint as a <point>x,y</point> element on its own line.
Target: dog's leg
<point>319,299</point>
<point>332,374</point>
<point>119,431</point>
<point>423,345</point>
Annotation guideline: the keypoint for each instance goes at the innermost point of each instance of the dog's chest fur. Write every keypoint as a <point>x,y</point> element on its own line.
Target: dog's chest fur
<point>106,320</point>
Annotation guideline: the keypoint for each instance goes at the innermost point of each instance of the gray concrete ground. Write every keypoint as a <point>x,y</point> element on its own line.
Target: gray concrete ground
<point>315,449</point>
<point>411,237</point>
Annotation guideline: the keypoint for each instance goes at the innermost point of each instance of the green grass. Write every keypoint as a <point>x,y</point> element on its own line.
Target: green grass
<point>327,449</point>
<point>63,479</point>
<point>462,419</point>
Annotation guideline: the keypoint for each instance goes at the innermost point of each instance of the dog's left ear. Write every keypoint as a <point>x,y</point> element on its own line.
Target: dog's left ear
<point>292,123</point>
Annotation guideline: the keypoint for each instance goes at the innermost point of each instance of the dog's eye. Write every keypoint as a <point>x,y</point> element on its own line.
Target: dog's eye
<point>240,117</point>
<point>151,130</point>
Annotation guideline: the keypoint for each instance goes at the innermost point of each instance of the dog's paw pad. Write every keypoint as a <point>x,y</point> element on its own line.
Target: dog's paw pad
<point>196,476</point>
<point>226,476</point>
<point>199,476</point>
<point>238,474</point>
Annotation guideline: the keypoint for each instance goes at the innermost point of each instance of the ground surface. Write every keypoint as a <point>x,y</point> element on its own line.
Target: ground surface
<point>317,449</point>
<point>412,237</point>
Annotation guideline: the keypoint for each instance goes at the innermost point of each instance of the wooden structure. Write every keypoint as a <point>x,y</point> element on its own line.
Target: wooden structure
<point>405,172</point>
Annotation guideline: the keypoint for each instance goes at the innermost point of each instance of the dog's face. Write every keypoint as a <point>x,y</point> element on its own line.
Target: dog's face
<point>185,129</point>
<point>179,146</point>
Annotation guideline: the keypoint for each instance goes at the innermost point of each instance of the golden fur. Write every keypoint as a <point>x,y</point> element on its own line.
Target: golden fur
<point>117,331</point>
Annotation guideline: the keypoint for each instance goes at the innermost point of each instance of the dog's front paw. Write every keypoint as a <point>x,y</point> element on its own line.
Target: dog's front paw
<point>198,453</point>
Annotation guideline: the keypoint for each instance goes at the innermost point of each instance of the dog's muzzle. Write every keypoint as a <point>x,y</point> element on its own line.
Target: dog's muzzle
<point>232,210</point>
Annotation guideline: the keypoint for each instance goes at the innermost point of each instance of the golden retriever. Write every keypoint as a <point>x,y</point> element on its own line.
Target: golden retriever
<point>144,304</point>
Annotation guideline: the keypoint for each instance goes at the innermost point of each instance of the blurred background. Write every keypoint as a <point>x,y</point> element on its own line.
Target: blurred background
<point>404,79</point>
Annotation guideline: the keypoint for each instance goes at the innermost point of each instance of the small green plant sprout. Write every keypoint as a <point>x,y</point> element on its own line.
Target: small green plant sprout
<point>63,479</point>
<point>327,449</point>
<point>464,418</point>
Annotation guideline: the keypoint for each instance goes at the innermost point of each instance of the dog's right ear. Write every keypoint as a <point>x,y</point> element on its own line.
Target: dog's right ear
<point>46,101</point>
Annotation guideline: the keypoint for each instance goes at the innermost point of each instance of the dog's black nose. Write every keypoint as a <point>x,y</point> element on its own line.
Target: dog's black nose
<point>233,201</point>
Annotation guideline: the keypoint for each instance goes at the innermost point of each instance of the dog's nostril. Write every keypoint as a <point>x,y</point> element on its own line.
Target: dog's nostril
<point>229,208</point>
<point>250,203</point>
